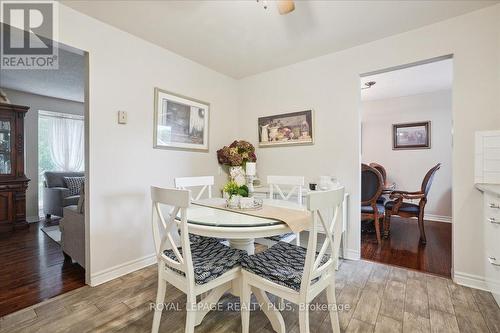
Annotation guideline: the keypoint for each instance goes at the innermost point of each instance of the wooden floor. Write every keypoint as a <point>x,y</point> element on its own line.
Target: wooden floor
<point>403,248</point>
<point>32,269</point>
<point>381,298</point>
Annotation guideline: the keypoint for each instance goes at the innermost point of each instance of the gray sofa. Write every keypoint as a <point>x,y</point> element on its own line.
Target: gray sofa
<point>56,194</point>
<point>72,228</point>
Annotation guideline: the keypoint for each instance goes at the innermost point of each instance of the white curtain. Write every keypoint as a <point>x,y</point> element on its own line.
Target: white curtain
<point>66,141</point>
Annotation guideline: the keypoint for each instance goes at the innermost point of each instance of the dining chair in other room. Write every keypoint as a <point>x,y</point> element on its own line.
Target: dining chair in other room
<point>295,273</point>
<point>372,185</point>
<point>397,205</point>
<point>286,188</point>
<point>193,268</point>
<point>383,199</point>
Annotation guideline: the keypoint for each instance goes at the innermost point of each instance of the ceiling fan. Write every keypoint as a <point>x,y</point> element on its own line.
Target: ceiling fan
<point>284,6</point>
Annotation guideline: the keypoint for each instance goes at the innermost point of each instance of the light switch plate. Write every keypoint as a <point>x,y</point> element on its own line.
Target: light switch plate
<point>122,117</point>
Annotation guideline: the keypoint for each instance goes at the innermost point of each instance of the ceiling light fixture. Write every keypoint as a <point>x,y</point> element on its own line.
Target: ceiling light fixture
<point>368,85</point>
<point>284,6</point>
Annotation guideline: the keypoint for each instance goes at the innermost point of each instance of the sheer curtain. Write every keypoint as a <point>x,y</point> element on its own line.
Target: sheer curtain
<point>65,140</point>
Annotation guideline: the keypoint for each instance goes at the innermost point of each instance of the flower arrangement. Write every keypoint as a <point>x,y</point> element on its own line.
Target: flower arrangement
<point>232,188</point>
<point>237,154</point>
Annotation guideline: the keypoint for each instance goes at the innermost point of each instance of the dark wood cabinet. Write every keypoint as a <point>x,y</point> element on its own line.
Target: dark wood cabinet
<point>13,181</point>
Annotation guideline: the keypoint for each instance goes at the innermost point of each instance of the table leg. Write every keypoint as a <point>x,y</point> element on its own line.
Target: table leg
<point>243,244</point>
<point>271,312</point>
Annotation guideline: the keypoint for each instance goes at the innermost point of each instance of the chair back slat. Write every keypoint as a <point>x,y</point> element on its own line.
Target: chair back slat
<point>317,203</point>
<point>295,182</point>
<point>166,230</point>
<point>205,182</point>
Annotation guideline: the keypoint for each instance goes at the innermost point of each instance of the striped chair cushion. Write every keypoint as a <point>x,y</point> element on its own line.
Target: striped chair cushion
<point>282,264</point>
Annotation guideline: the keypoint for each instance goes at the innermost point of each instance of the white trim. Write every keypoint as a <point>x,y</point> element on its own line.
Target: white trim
<point>470,280</point>
<point>122,269</point>
<point>438,218</point>
<point>351,254</point>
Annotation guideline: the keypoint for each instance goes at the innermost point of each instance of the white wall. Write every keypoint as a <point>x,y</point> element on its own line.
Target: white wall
<point>36,103</point>
<point>407,167</point>
<point>330,85</point>
<point>124,70</point>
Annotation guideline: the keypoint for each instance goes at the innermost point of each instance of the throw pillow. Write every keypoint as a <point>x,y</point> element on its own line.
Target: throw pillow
<point>74,184</point>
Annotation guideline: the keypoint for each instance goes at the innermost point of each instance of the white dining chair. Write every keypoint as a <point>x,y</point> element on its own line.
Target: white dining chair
<point>205,182</point>
<point>284,188</point>
<point>194,268</point>
<point>297,274</point>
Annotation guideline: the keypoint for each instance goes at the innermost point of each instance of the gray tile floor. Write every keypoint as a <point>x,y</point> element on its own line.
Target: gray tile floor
<point>380,298</point>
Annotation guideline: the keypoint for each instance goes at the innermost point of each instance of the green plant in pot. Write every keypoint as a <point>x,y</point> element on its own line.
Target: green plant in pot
<point>233,192</point>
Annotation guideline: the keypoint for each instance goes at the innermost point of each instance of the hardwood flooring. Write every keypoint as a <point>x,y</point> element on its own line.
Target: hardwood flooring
<point>403,248</point>
<point>33,269</point>
<point>376,298</point>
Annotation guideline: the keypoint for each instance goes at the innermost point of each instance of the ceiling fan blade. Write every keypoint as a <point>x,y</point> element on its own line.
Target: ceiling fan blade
<point>285,6</point>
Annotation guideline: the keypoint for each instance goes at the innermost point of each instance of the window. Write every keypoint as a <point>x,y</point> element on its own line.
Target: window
<point>60,144</point>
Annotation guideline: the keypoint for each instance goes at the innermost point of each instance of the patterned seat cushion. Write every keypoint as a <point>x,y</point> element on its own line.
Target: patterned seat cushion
<point>211,259</point>
<point>278,238</point>
<point>282,263</point>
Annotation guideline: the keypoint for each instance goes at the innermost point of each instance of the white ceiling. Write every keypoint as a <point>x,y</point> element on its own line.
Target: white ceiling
<point>240,38</point>
<point>414,80</point>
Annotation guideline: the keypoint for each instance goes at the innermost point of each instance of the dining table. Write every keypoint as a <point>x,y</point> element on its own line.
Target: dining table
<point>209,217</point>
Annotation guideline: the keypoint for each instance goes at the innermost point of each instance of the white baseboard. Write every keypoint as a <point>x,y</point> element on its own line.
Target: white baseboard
<point>438,218</point>
<point>122,269</point>
<point>351,254</point>
<point>470,280</point>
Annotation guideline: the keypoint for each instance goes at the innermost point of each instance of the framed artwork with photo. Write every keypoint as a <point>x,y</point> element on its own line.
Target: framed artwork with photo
<point>296,128</point>
<point>180,122</point>
<point>411,135</point>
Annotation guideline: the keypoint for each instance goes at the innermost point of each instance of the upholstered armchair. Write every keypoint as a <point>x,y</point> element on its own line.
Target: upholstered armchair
<point>398,206</point>
<point>372,186</point>
<point>382,199</point>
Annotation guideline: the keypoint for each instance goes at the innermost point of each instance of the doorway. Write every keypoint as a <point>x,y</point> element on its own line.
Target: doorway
<point>406,130</point>
<point>50,256</point>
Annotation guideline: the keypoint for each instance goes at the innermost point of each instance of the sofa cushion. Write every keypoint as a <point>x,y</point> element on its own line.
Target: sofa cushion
<point>74,184</point>
<point>56,178</point>
<point>71,200</point>
<point>81,200</point>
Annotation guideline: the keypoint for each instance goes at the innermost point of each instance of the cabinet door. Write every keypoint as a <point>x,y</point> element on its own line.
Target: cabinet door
<point>491,220</point>
<point>6,146</point>
<point>5,207</point>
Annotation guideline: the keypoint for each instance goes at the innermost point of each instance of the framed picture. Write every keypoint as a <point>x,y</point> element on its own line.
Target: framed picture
<point>411,136</point>
<point>296,128</point>
<point>180,122</point>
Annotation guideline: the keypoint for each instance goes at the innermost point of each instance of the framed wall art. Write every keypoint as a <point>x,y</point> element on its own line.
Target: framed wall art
<point>296,128</point>
<point>411,135</point>
<point>180,122</point>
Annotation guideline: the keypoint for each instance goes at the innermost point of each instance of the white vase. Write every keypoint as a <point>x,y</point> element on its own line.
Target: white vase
<point>237,174</point>
<point>233,202</point>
